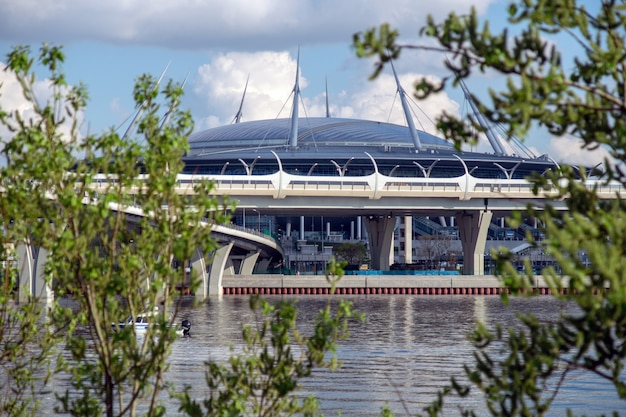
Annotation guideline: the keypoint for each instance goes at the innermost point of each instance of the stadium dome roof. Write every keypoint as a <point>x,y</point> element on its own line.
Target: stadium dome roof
<point>328,145</point>
<point>320,133</point>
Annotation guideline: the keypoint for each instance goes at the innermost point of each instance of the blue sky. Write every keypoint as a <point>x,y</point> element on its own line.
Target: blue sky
<point>219,43</point>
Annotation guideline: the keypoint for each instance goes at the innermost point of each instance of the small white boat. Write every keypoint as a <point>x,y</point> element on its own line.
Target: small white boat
<point>142,321</point>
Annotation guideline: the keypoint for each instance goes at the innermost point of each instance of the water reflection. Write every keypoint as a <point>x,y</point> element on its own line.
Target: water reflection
<point>407,349</point>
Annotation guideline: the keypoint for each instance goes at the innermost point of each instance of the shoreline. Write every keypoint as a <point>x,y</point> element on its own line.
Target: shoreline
<point>267,284</point>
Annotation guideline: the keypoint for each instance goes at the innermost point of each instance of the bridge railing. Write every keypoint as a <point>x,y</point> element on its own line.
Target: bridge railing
<point>251,231</point>
<point>374,186</point>
<point>138,211</point>
<point>492,187</point>
<point>421,186</point>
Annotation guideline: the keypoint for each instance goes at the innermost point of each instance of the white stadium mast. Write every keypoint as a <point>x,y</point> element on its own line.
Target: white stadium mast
<point>407,113</point>
<point>293,132</point>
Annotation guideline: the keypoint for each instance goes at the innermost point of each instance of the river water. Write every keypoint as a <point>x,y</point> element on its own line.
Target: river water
<point>406,349</point>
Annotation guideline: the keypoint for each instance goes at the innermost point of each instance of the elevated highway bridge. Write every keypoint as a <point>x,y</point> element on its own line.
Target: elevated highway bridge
<point>282,193</point>
<point>379,199</point>
<point>239,250</point>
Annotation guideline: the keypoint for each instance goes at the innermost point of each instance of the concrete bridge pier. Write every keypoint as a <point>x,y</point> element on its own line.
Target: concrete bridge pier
<point>380,239</point>
<point>473,228</point>
<point>248,262</point>
<point>262,265</point>
<point>408,239</point>
<point>199,269</point>
<point>211,278</point>
<point>31,266</point>
<point>242,264</point>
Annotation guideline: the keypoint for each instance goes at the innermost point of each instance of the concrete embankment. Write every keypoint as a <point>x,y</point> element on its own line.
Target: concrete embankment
<point>368,284</point>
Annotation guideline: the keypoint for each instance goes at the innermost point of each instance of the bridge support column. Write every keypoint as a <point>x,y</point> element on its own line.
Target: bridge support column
<point>199,270</point>
<point>392,250</point>
<point>247,264</point>
<point>263,264</point>
<point>31,265</point>
<point>473,228</point>
<point>408,239</point>
<point>229,266</point>
<point>380,238</point>
<point>216,272</point>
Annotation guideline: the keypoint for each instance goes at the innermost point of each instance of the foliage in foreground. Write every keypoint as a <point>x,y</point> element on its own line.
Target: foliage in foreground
<point>106,211</point>
<point>521,371</point>
<point>76,199</point>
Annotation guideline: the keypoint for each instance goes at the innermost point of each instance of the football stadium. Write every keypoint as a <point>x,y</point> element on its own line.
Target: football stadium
<point>347,153</point>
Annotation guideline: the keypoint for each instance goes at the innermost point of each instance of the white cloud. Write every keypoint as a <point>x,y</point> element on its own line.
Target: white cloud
<point>377,100</point>
<point>249,28</point>
<point>12,101</point>
<point>257,32</point>
<point>192,24</point>
<point>570,150</point>
<point>219,86</point>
